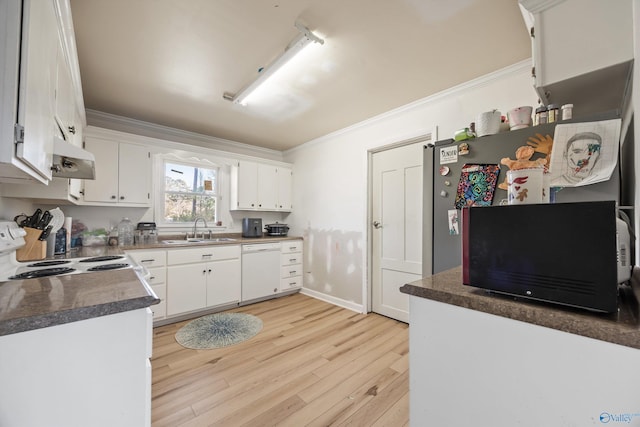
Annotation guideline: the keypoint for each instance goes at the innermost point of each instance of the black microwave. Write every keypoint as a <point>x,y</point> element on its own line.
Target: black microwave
<point>574,254</point>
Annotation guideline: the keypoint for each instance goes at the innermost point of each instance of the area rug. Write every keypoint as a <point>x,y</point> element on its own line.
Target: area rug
<point>218,330</point>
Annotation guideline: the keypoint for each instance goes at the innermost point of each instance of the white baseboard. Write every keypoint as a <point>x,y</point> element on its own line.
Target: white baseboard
<point>349,305</point>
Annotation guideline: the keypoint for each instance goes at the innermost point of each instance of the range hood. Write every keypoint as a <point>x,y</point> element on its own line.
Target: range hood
<point>70,161</point>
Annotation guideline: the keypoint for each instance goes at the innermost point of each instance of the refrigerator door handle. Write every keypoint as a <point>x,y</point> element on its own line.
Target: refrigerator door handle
<point>376,224</point>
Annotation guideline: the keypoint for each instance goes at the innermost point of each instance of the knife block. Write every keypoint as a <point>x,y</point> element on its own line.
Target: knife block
<point>33,249</point>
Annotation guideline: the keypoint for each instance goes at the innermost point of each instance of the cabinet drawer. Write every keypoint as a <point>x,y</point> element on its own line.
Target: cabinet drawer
<point>203,254</point>
<point>290,246</point>
<point>291,259</point>
<point>149,259</point>
<point>157,276</point>
<point>291,271</point>
<point>290,283</point>
<point>160,310</point>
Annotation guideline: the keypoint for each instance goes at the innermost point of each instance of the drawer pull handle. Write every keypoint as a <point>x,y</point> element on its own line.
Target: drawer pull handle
<point>292,259</point>
<point>292,272</point>
<point>152,277</point>
<point>147,260</point>
<point>207,255</point>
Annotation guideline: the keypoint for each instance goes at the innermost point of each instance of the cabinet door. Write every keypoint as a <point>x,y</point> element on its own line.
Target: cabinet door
<point>64,99</point>
<point>223,282</point>
<point>285,181</point>
<point>134,174</point>
<point>602,38</point>
<point>104,188</point>
<point>38,79</point>
<point>247,185</point>
<point>186,288</point>
<point>267,187</point>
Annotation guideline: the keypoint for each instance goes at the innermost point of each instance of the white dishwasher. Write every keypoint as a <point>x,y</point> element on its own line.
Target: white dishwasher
<point>260,270</point>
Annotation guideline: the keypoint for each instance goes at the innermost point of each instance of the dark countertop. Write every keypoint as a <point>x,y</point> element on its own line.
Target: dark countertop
<point>238,240</point>
<point>621,328</point>
<point>38,303</point>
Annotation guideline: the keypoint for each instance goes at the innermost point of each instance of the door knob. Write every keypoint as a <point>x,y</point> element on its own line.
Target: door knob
<point>376,224</point>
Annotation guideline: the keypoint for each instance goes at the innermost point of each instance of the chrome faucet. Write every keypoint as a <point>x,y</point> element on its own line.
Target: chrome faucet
<point>195,227</point>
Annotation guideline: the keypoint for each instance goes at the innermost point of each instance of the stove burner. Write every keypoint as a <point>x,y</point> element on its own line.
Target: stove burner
<point>49,263</point>
<point>108,267</point>
<point>102,258</point>
<point>42,273</point>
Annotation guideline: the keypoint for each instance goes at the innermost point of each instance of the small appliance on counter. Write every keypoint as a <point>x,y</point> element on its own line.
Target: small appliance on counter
<point>146,233</point>
<point>574,254</point>
<point>277,229</point>
<point>251,227</point>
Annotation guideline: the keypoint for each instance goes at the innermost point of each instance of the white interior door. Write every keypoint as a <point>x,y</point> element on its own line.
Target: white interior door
<point>396,229</point>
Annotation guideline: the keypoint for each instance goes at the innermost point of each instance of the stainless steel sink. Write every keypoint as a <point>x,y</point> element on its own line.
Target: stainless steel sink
<point>187,241</point>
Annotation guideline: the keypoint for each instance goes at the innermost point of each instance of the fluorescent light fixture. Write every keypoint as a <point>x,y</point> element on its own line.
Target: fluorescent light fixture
<point>294,48</point>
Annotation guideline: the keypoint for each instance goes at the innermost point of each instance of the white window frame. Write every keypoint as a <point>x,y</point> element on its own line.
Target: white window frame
<point>222,193</point>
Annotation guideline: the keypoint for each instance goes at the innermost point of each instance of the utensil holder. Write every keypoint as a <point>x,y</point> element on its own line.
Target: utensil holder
<point>34,249</point>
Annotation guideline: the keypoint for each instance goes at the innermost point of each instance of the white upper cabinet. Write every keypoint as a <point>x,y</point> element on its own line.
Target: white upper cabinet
<point>579,47</point>
<point>29,51</point>
<point>36,55</point>
<point>267,187</point>
<point>123,173</point>
<point>285,188</point>
<point>67,120</point>
<point>261,187</point>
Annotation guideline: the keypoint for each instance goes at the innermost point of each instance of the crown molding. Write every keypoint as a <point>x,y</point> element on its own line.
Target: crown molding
<point>537,6</point>
<point>453,91</point>
<point>114,122</point>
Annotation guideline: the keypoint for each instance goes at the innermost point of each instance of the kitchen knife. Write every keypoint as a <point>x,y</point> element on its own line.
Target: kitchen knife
<point>45,233</point>
<point>44,221</point>
<point>35,218</point>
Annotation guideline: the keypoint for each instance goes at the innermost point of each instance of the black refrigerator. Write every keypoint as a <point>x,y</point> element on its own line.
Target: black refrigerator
<point>441,220</point>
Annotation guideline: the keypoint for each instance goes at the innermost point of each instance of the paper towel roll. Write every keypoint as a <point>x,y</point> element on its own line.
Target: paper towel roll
<point>67,226</point>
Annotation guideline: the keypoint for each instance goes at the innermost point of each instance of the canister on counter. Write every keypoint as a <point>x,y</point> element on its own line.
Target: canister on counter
<point>567,111</point>
<point>552,113</point>
<point>540,118</point>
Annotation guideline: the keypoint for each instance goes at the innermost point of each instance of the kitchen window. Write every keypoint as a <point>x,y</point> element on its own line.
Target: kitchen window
<point>190,192</point>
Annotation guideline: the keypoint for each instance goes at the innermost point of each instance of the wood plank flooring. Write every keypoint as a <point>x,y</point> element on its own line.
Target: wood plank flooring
<point>313,364</point>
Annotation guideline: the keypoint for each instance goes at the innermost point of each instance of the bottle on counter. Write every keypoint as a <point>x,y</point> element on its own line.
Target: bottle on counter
<point>125,232</point>
<point>60,242</point>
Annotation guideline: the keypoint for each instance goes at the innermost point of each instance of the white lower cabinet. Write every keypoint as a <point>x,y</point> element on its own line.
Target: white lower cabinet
<point>199,278</point>
<point>290,265</point>
<point>155,261</point>
<point>94,372</point>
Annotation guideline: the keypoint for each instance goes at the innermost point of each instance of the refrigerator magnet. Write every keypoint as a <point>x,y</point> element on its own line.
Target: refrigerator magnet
<point>449,155</point>
<point>454,227</point>
<point>444,170</point>
<point>463,149</point>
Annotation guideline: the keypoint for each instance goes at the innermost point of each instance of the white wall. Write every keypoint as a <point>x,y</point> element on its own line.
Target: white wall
<point>330,175</point>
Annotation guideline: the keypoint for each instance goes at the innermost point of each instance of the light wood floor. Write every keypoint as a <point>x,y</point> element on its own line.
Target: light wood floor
<point>313,364</point>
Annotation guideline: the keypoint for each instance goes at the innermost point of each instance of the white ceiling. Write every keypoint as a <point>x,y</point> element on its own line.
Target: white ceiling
<point>170,61</point>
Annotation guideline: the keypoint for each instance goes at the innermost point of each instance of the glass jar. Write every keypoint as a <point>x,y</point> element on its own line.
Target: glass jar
<point>540,118</point>
<point>567,111</point>
<point>125,232</point>
<point>552,113</point>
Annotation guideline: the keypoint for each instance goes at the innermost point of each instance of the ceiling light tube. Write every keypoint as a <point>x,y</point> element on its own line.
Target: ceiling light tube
<point>296,46</point>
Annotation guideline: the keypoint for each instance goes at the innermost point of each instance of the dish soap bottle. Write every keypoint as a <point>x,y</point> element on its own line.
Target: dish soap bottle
<point>125,232</point>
